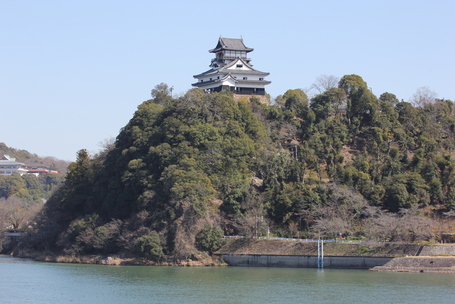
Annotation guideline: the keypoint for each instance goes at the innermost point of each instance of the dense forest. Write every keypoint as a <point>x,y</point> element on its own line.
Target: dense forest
<point>185,171</point>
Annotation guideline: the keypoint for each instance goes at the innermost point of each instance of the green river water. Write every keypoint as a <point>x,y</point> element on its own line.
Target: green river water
<point>24,281</point>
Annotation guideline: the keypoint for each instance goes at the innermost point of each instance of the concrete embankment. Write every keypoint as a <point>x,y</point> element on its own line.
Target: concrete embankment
<point>393,257</point>
<point>304,254</point>
<point>301,261</point>
<point>419,264</point>
<point>435,259</point>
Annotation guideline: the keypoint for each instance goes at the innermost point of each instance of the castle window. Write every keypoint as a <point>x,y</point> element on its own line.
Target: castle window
<point>245,78</point>
<point>240,65</point>
<point>261,79</point>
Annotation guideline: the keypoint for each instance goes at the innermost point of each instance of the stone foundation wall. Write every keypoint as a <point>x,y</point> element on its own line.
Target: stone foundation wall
<point>261,98</point>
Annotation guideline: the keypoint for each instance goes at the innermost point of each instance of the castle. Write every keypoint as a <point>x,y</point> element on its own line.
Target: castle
<point>231,70</point>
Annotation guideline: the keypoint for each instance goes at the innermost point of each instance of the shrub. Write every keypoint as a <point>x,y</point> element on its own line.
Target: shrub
<point>210,239</point>
<point>149,246</point>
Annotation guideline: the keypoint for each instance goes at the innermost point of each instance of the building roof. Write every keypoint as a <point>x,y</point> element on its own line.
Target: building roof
<point>238,81</point>
<point>222,79</point>
<point>7,157</point>
<point>225,69</point>
<point>9,161</point>
<point>232,44</point>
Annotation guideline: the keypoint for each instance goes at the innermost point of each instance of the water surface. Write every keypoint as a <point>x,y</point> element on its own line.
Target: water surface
<point>25,281</point>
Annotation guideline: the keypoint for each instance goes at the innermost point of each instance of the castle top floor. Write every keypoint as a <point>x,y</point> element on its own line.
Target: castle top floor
<point>228,49</point>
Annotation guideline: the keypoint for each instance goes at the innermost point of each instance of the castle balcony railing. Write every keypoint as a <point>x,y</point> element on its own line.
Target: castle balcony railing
<point>232,58</point>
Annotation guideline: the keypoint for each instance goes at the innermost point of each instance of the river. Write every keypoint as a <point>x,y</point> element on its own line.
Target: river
<point>24,281</point>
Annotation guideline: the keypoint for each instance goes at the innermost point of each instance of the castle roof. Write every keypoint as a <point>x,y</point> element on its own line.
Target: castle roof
<point>226,69</point>
<point>232,44</point>
<point>232,78</point>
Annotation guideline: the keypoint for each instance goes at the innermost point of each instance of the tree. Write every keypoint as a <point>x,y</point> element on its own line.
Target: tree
<point>404,191</point>
<point>210,238</point>
<point>189,189</point>
<point>389,97</point>
<point>324,83</point>
<point>79,172</point>
<point>328,103</point>
<point>17,213</point>
<point>353,85</point>
<point>149,246</point>
<point>161,94</point>
<point>296,101</point>
<point>423,97</point>
<point>341,213</point>
<point>362,105</point>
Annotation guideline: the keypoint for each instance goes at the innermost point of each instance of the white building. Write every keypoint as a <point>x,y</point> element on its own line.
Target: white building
<point>8,166</point>
<point>231,70</point>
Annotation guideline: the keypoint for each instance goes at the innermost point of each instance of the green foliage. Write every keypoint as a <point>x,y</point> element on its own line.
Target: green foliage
<point>388,97</point>
<point>210,238</point>
<point>328,103</point>
<point>29,186</point>
<point>296,102</point>
<point>149,246</point>
<point>161,94</point>
<point>208,158</point>
<point>362,105</point>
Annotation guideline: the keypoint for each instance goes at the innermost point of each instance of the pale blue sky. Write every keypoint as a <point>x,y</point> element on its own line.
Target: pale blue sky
<point>72,73</point>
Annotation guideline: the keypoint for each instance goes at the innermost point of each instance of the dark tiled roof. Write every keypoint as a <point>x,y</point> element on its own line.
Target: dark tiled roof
<point>253,82</point>
<point>231,44</point>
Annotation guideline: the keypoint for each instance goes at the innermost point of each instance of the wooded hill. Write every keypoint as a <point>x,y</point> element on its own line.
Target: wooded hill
<point>185,171</point>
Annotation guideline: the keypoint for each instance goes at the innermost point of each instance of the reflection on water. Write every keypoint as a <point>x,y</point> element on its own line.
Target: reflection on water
<point>25,281</point>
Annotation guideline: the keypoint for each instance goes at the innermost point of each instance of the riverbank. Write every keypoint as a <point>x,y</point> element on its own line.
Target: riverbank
<point>393,257</point>
<point>201,260</point>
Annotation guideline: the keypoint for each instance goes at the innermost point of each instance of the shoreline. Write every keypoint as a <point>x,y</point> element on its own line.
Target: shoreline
<point>116,260</point>
<point>393,257</point>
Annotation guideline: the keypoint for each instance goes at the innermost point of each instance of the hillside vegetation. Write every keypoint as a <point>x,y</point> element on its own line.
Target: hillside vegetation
<point>184,171</point>
<point>21,197</point>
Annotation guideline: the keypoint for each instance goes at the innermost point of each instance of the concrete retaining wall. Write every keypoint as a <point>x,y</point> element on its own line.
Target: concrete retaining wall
<point>303,261</point>
<point>437,250</point>
<point>419,264</point>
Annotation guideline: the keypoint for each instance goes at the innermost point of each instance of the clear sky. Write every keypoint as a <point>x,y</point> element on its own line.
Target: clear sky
<point>72,73</point>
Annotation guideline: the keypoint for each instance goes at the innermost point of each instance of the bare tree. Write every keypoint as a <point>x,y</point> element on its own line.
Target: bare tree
<point>423,97</point>
<point>293,227</point>
<point>383,226</point>
<point>253,223</point>
<point>405,226</point>
<point>16,213</point>
<point>416,227</point>
<point>324,83</point>
<point>341,214</point>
